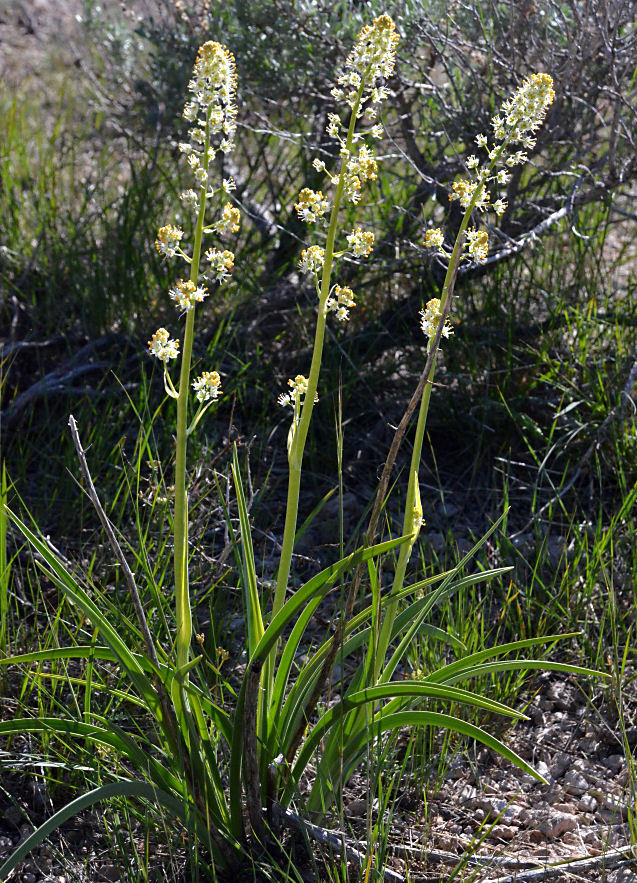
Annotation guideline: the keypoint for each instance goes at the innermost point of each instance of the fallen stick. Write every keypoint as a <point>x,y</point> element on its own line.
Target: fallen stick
<point>525,869</point>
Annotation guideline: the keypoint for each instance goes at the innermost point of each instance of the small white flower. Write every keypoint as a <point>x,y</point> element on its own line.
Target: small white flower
<point>207,386</point>
<point>312,259</point>
<point>430,320</point>
<point>162,347</point>
<point>360,242</point>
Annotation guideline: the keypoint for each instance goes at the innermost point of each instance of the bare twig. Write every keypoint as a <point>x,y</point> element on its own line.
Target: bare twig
<point>525,869</point>
<point>164,698</point>
<point>624,856</point>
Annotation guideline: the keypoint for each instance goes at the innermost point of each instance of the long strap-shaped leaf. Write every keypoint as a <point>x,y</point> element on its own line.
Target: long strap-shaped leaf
<point>318,587</point>
<point>357,745</point>
<point>125,788</point>
<point>67,583</point>
<point>252,602</point>
<point>398,692</point>
<point>463,667</point>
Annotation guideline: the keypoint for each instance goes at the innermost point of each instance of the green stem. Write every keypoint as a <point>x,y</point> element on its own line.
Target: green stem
<point>381,640</point>
<point>183,612</point>
<point>300,436</point>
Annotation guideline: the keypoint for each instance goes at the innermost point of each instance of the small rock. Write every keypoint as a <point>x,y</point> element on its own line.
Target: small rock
<point>504,832</point>
<point>494,807</point>
<point>468,793</point>
<point>575,783</point>
<point>621,875</point>
<point>28,878</point>
<point>557,823</point>
<point>543,770</point>
<point>357,807</point>
<point>568,808</point>
<point>6,843</point>
<point>612,805</point>
<point>561,695</point>
<point>570,838</point>
<point>613,762</point>
<point>559,766</point>
<point>587,803</point>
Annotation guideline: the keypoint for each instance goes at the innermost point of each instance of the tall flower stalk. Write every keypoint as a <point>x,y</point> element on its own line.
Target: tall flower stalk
<point>522,115</point>
<point>212,112</point>
<point>360,86</point>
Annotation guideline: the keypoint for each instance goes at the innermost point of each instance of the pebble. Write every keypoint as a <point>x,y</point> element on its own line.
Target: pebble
<point>28,878</point>
<point>6,842</point>
<point>622,875</point>
<point>560,764</point>
<point>613,762</point>
<point>575,783</point>
<point>557,823</point>
<point>504,832</point>
<point>587,803</point>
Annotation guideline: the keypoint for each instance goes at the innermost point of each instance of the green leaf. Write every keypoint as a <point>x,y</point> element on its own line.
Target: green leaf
<point>397,691</point>
<point>357,745</point>
<point>125,788</point>
<point>252,603</point>
<point>67,583</point>
<point>448,672</point>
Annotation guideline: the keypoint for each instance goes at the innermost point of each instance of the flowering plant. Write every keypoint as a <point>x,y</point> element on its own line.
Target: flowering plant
<point>230,771</point>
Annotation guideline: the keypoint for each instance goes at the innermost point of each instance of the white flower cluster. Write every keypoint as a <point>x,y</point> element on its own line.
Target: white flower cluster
<point>312,259</point>
<point>372,58</point>
<point>435,238</point>
<point>213,87</point>
<point>207,386</point>
<point>340,301</point>
<point>430,319</point>
<point>229,222</point>
<point>298,388</point>
<point>221,264</point>
<point>478,244</point>
<point>525,110</point>
<point>168,239</point>
<point>521,116</point>
<point>360,242</point>
<point>311,206</point>
<point>162,347</point>
<point>187,294</point>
